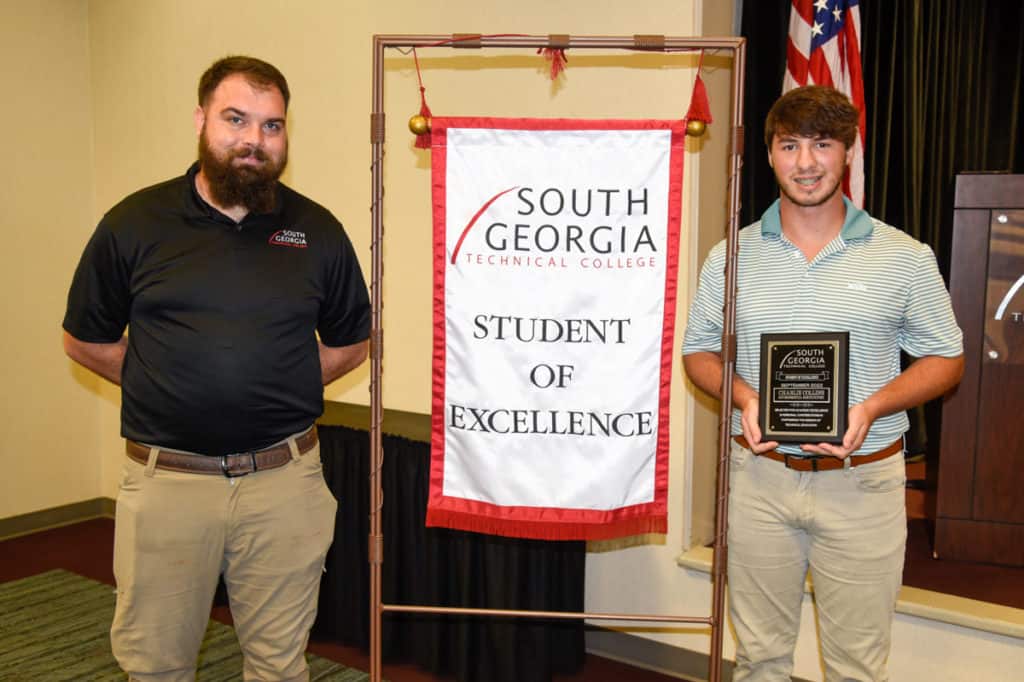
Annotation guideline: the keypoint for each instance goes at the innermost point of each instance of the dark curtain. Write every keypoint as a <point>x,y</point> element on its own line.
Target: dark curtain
<point>429,566</point>
<point>942,83</point>
<point>765,25</point>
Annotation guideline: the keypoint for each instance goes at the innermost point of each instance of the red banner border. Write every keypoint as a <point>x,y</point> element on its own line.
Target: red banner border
<point>545,522</point>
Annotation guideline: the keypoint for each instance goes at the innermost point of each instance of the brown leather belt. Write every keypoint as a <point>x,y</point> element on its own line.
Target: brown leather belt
<point>233,465</point>
<point>823,462</point>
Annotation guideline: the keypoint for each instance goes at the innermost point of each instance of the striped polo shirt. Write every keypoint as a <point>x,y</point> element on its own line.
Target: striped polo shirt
<point>874,281</point>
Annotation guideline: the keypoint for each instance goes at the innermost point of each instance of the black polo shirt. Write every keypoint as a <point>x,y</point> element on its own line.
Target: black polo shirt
<point>222,355</point>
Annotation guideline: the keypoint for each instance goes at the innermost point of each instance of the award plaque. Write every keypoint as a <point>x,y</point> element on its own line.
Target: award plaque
<point>803,387</point>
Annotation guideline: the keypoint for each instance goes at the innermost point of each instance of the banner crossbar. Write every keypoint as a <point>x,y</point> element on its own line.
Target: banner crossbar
<point>638,42</point>
<point>532,613</point>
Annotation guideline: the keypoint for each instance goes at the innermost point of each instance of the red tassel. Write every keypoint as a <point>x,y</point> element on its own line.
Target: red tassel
<point>423,141</point>
<point>700,110</point>
<point>556,56</point>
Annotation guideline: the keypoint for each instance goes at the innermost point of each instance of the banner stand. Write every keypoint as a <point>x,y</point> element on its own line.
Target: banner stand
<point>656,43</point>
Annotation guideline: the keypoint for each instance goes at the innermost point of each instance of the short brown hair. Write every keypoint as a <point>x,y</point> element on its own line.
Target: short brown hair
<point>257,72</point>
<point>813,111</point>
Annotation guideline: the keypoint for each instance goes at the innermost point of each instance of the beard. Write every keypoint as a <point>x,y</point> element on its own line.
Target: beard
<point>254,187</point>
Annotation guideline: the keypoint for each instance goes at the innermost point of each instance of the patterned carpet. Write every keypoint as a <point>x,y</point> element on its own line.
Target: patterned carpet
<point>55,626</point>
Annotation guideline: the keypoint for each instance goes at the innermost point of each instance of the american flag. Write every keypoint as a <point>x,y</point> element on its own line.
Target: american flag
<point>824,49</point>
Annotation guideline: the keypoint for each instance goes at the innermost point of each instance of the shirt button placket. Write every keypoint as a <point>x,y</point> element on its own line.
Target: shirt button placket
<point>800,300</point>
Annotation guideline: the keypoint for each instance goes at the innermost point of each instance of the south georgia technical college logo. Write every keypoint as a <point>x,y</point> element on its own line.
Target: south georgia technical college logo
<point>293,238</point>
<point>582,228</point>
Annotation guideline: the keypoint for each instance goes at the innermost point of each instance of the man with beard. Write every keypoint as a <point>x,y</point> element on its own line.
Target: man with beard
<point>816,263</point>
<point>224,276</point>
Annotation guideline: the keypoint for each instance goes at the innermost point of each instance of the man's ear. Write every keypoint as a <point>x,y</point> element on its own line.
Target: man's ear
<point>199,118</point>
<point>849,155</point>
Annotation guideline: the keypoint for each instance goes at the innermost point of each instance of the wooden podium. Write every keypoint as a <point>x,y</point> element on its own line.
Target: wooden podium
<point>980,500</point>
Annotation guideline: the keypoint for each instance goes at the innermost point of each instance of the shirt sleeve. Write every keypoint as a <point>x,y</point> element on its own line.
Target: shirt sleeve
<point>99,301</point>
<point>345,314</point>
<point>929,327</point>
<point>704,322</point>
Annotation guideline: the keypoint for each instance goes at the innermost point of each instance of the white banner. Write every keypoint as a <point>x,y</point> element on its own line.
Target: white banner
<point>555,253</point>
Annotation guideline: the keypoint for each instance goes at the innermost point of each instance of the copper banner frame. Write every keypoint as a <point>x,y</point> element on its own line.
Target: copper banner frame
<point>655,43</point>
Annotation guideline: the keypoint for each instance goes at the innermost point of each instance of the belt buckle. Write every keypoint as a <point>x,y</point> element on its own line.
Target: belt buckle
<point>228,473</point>
<point>811,459</point>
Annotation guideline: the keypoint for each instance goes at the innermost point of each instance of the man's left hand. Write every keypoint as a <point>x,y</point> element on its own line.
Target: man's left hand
<point>858,424</point>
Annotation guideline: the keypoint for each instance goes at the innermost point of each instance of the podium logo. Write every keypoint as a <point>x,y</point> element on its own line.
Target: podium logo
<point>1015,316</point>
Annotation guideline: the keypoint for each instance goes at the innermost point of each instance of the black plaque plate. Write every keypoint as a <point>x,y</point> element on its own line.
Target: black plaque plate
<point>803,387</point>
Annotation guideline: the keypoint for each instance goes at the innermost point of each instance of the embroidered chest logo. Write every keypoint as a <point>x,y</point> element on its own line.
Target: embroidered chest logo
<point>293,238</point>
<point>857,286</point>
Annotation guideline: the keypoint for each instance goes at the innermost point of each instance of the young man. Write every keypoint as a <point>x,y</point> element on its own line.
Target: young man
<point>816,263</point>
<point>224,276</point>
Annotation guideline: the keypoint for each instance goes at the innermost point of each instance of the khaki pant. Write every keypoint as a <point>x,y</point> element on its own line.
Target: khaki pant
<point>175,533</point>
<point>849,527</point>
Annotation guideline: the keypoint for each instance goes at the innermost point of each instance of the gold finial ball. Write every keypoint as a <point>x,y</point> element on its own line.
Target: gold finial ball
<point>694,128</point>
<point>419,125</point>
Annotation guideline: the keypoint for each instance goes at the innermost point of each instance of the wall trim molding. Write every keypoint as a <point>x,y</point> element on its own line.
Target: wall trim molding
<point>54,517</point>
<point>915,601</point>
<point>396,422</point>
<point>650,654</point>
<point>411,425</point>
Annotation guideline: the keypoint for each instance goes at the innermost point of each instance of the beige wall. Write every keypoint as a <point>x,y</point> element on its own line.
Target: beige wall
<point>50,415</point>
<point>103,94</point>
<point>119,76</point>
<point>146,58</point>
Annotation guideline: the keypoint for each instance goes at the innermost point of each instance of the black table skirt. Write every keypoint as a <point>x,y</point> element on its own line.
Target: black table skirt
<point>429,566</point>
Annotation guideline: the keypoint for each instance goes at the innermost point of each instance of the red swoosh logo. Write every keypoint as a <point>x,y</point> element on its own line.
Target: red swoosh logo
<point>469,226</point>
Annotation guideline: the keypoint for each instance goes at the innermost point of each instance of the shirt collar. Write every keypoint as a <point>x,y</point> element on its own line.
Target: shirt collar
<point>857,223</point>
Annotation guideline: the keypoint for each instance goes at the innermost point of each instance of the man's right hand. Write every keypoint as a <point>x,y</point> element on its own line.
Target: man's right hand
<point>751,429</point>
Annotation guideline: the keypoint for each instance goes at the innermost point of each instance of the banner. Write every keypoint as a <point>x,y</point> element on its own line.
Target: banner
<point>555,263</point>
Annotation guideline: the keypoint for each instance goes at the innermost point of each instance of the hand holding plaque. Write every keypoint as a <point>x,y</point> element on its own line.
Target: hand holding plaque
<point>803,387</point>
